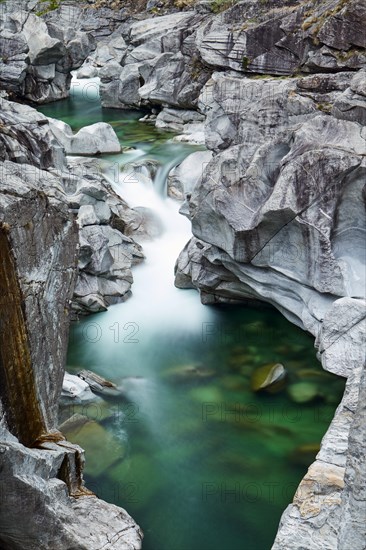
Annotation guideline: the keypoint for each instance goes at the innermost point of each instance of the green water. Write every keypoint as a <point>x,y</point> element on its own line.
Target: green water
<point>83,108</point>
<point>207,463</point>
<point>195,456</point>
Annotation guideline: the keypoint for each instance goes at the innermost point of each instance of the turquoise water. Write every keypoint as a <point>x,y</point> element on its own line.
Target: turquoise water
<point>200,460</point>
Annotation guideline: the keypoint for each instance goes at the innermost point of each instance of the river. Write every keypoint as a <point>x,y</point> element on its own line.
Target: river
<point>199,460</point>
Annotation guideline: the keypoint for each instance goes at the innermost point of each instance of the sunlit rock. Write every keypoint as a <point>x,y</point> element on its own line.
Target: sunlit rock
<point>269,378</point>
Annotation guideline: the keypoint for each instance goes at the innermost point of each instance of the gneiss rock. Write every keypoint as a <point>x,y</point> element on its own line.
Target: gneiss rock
<point>26,137</point>
<point>107,252</point>
<point>159,65</point>
<point>252,37</point>
<point>265,221</point>
<point>37,58</point>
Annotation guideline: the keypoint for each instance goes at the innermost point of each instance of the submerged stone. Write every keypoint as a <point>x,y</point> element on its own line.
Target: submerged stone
<point>302,392</point>
<point>206,394</point>
<point>270,378</point>
<point>102,450</point>
<point>303,455</point>
<point>136,480</point>
<point>233,382</point>
<point>186,373</point>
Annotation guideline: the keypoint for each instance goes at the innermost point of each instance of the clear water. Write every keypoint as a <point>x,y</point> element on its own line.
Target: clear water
<point>197,458</point>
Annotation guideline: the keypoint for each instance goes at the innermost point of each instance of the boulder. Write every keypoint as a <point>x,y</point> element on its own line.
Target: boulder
<point>95,139</point>
<point>269,378</point>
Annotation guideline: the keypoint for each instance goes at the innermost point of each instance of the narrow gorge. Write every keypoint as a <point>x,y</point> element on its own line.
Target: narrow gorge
<point>150,151</point>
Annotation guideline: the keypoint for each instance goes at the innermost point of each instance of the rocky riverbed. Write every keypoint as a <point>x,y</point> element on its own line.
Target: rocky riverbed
<point>278,97</point>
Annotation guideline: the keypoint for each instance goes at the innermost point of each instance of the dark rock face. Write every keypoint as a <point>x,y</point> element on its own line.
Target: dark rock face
<point>35,229</point>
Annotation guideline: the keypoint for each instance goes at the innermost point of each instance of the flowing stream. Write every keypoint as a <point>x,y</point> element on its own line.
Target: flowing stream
<point>195,456</point>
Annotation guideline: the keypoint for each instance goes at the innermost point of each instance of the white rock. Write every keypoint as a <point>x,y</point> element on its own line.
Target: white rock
<point>75,388</point>
<point>90,140</point>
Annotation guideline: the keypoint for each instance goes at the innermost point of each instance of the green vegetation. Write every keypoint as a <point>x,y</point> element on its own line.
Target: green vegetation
<point>324,107</point>
<point>245,62</point>
<point>197,68</point>
<point>317,20</point>
<point>219,6</point>
<point>345,56</point>
<point>51,5</point>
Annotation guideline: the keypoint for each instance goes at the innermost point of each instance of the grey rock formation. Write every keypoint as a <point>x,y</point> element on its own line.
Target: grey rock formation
<point>41,472</point>
<point>95,139</point>
<point>107,224</point>
<point>157,66</point>
<point>36,58</point>
<point>249,37</point>
<point>26,137</point>
<point>36,495</point>
<point>107,253</point>
<point>98,24</point>
<point>183,178</point>
<point>189,124</point>
<point>265,223</point>
<point>242,110</point>
<point>329,506</point>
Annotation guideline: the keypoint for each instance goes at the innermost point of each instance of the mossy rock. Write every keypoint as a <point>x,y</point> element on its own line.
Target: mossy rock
<point>270,378</point>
